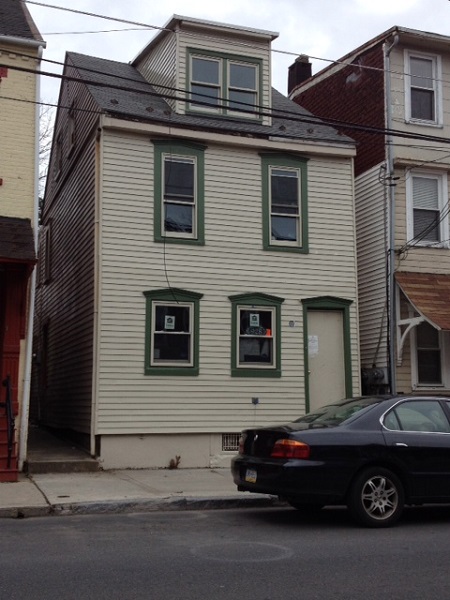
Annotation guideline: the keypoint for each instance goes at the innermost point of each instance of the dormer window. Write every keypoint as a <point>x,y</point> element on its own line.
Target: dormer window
<point>224,84</point>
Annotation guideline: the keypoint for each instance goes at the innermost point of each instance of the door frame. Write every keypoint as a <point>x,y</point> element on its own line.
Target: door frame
<point>330,303</point>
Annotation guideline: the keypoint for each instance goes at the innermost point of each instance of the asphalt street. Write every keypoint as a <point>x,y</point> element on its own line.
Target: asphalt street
<point>263,554</point>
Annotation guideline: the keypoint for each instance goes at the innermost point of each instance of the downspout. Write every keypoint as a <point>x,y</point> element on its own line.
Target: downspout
<point>391,218</point>
<point>25,406</point>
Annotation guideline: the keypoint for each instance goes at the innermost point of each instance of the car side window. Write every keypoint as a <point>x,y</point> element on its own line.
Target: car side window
<point>418,416</point>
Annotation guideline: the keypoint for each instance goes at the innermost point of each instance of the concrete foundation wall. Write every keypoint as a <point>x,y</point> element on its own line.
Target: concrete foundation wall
<point>157,451</point>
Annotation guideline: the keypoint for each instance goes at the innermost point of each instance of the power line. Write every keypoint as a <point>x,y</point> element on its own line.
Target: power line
<point>144,26</point>
<point>246,108</point>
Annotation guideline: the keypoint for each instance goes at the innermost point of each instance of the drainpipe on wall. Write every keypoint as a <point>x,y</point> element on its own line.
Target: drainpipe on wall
<point>25,407</point>
<point>391,218</point>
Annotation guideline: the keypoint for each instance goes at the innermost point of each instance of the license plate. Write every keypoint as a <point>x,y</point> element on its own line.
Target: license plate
<point>250,476</point>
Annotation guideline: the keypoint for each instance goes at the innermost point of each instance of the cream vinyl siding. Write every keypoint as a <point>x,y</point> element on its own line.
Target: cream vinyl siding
<point>159,67</point>
<point>225,44</point>
<point>372,274</point>
<point>231,262</point>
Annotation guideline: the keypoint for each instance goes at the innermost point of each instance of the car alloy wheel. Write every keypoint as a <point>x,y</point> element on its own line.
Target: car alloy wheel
<point>376,498</point>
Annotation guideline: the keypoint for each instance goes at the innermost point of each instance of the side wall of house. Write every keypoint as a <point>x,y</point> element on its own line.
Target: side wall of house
<point>64,324</point>
<point>354,94</point>
<point>232,261</point>
<point>18,128</point>
<point>371,222</point>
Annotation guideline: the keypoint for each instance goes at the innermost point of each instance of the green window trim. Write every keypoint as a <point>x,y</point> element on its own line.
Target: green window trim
<point>171,297</point>
<point>224,84</point>
<point>163,148</point>
<point>255,301</point>
<point>288,162</point>
<point>329,303</point>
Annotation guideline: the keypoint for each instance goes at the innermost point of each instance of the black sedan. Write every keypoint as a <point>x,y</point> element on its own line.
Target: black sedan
<point>372,454</point>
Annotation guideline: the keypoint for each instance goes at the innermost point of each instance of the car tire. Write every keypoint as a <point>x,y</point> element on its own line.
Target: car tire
<point>376,498</point>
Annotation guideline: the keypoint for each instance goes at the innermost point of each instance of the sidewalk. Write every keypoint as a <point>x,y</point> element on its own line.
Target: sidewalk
<point>125,491</point>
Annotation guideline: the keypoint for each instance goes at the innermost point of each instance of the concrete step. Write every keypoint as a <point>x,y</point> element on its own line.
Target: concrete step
<point>34,467</point>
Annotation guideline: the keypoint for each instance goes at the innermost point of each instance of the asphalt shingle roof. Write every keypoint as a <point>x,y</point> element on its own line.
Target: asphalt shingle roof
<point>16,21</point>
<point>123,92</point>
<point>16,240</point>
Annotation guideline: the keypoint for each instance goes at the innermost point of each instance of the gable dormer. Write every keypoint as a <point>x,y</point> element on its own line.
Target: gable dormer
<point>211,69</point>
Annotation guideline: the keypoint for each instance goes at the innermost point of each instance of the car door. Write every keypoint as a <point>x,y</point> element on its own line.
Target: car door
<point>417,434</point>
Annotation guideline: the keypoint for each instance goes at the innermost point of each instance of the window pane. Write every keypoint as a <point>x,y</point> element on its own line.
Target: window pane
<point>422,72</point>
<point>205,94</point>
<point>173,318</point>
<point>284,229</point>
<point>425,192</point>
<point>178,217</point>
<point>205,70</point>
<point>171,347</point>
<point>236,98</point>
<point>284,193</point>
<point>428,354</point>
<point>255,350</point>
<point>178,179</point>
<point>255,322</point>
<point>243,76</point>
<point>422,104</point>
<point>426,225</point>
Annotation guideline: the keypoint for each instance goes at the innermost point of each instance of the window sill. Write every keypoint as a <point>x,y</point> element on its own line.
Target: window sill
<point>172,371</point>
<point>249,372</point>
<point>179,240</point>
<point>294,249</point>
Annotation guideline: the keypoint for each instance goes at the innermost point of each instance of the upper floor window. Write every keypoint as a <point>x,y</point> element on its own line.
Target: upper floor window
<point>179,195</point>
<point>427,197</point>
<point>423,89</point>
<point>284,203</point>
<point>224,84</point>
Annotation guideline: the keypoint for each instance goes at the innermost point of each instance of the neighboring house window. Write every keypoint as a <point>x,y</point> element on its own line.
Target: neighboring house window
<point>423,88</point>
<point>428,222</point>
<point>285,210</point>
<point>172,332</point>
<point>179,192</point>
<point>224,84</point>
<point>58,156</point>
<point>256,335</point>
<point>429,355</point>
<point>71,132</point>
<point>47,252</point>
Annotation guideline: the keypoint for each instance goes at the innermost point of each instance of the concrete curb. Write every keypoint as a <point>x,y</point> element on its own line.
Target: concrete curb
<point>139,505</point>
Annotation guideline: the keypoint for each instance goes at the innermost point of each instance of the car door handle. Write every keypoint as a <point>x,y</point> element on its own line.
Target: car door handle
<point>402,444</point>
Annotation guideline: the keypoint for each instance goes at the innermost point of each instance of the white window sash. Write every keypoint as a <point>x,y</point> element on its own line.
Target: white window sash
<point>298,242</point>
<point>179,234</point>
<point>436,87</point>
<point>273,337</point>
<point>155,362</point>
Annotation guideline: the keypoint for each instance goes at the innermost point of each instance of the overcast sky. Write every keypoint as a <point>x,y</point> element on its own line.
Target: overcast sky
<point>326,29</point>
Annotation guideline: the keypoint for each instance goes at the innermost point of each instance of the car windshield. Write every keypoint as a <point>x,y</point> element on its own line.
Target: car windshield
<point>337,413</point>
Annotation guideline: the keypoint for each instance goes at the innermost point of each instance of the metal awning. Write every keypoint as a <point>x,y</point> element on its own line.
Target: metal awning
<point>429,294</point>
<point>16,241</point>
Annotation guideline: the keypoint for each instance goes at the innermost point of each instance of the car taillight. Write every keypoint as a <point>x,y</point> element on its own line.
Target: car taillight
<point>241,444</point>
<point>290,449</point>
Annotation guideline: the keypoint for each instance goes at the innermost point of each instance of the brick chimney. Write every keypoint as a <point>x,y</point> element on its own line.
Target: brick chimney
<point>299,71</point>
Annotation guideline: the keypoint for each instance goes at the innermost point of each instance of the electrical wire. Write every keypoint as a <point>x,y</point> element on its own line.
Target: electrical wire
<point>245,108</point>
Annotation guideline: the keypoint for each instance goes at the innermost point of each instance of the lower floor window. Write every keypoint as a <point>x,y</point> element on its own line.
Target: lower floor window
<point>172,336</point>
<point>256,335</point>
<point>428,355</point>
<point>172,332</point>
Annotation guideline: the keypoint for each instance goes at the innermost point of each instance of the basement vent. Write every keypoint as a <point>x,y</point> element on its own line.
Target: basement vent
<point>230,442</point>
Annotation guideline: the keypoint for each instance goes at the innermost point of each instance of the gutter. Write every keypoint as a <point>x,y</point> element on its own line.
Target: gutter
<point>18,41</point>
<point>391,218</point>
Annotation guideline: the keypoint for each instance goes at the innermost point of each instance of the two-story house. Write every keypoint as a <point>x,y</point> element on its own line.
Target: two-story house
<point>197,257</point>
<point>20,51</point>
<point>391,95</point>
